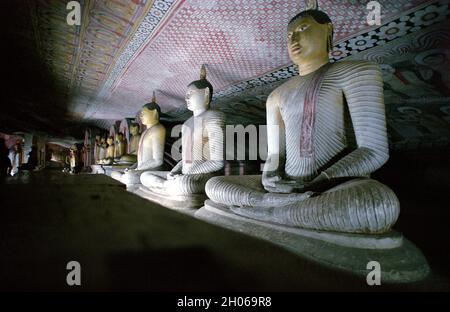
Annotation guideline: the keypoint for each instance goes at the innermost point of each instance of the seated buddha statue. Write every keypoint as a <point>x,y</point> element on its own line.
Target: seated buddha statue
<point>15,157</point>
<point>131,157</point>
<point>202,151</point>
<point>73,159</point>
<point>103,146</point>
<point>97,148</point>
<point>120,146</point>
<point>150,154</point>
<point>326,133</point>
<point>110,151</point>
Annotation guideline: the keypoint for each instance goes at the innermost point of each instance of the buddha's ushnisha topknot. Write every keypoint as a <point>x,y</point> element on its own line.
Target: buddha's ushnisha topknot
<point>311,5</point>
<point>203,83</point>
<point>203,72</point>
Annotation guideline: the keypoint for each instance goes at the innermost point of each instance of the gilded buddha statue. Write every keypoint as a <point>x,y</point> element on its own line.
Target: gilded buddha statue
<point>73,159</point>
<point>120,146</point>
<point>150,153</point>
<point>110,150</point>
<point>131,157</point>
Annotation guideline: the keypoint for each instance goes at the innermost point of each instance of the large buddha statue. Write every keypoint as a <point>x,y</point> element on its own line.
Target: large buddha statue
<point>202,153</point>
<point>326,135</point>
<point>134,145</point>
<point>150,155</point>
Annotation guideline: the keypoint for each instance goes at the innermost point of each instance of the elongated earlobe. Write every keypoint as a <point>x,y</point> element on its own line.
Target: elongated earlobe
<point>330,37</point>
<point>207,95</point>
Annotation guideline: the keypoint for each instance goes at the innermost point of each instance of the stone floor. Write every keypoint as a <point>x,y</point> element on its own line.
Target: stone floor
<point>124,242</point>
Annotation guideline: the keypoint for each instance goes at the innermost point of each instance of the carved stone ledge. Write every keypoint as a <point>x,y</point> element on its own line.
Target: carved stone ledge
<point>97,169</point>
<point>401,261</point>
<point>109,169</point>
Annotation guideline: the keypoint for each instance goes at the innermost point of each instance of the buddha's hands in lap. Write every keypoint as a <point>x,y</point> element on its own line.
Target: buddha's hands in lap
<point>173,175</point>
<point>287,186</point>
<point>318,185</point>
<point>133,167</point>
<point>176,172</point>
<point>273,182</point>
<point>291,186</point>
<point>272,176</point>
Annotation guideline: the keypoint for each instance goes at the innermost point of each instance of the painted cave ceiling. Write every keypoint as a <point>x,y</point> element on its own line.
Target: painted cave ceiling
<point>63,77</point>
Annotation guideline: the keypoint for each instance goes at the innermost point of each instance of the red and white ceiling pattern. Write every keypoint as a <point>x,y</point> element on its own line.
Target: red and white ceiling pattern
<point>162,44</point>
<point>239,41</point>
<point>400,27</point>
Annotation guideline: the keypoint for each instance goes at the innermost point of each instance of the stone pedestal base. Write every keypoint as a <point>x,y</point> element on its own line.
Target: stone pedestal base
<point>182,203</point>
<point>109,169</point>
<point>133,188</point>
<point>97,169</point>
<point>400,260</point>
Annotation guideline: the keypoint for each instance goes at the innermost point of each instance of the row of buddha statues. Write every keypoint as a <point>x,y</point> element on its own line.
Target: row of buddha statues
<point>326,135</point>
<point>109,151</point>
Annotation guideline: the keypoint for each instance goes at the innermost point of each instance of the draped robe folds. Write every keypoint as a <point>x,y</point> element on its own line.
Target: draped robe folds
<point>202,157</point>
<point>341,136</point>
<point>14,157</point>
<point>140,152</point>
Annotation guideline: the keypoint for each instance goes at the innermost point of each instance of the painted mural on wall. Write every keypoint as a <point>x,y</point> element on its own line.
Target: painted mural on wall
<point>83,56</point>
<point>416,74</point>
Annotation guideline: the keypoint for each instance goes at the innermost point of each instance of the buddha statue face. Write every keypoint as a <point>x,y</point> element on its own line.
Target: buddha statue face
<point>120,137</point>
<point>110,140</point>
<point>197,99</point>
<point>308,39</point>
<point>149,116</point>
<point>134,129</point>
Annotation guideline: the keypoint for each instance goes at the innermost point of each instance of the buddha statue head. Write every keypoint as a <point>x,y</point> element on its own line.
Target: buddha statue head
<point>119,137</point>
<point>134,129</point>
<point>110,140</point>
<point>73,150</point>
<point>17,146</point>
<point>199,93</point>
<point>150,113</point>
<point>310,37</point>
